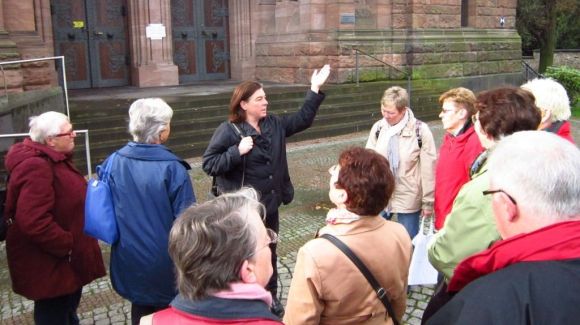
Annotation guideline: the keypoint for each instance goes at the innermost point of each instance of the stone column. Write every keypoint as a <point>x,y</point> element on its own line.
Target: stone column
<point>151,59</point>
<point>11,76</point>
<point>245,19</point>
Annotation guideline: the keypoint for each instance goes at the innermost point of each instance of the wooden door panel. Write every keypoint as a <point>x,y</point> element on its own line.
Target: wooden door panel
<point>199,39</point>
<point>108,43</point>
<point>70,38</point>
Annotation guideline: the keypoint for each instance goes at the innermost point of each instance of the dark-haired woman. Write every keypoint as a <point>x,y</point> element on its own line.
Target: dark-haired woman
<point>327,288</point>
<point>250,149</point>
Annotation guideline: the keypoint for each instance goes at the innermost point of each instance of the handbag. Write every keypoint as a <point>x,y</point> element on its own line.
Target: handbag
<point>380,291</point>
<point>421,271</point>
<point>214,188</point>
<point>100,218</point>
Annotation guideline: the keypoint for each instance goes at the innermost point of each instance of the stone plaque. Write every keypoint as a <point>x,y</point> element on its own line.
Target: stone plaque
<point>347,19</point>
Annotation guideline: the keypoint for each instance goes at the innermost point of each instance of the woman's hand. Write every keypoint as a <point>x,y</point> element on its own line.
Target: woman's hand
<point>319,78</point>
<point>245,145</point>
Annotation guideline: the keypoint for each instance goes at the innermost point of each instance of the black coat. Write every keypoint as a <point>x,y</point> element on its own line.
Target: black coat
<point>265,167</point>
<point>523,293</point>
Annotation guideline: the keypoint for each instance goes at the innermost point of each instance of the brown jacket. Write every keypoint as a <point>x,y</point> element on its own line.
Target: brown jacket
<point>327,288</point>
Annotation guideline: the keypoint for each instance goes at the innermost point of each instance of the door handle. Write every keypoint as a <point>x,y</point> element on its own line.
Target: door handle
<point>183,35</point>
<point>98,33</point>
<point>71,36</point>
<point>203,33</point>
<point>110,36</point>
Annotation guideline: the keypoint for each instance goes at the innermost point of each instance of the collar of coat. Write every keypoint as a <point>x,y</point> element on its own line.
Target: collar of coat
<point>45,150</point>
<point>364,224</point>
<point>152,152</point>
<point>560,241</point>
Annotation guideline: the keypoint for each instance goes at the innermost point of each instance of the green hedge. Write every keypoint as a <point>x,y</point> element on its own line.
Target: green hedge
<point>570,79</point>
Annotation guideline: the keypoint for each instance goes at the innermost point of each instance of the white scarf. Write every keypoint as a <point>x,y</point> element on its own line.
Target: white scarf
<point>391,141</point>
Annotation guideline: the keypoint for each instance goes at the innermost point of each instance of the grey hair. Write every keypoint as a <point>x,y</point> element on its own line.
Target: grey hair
<point>148,117</point>
<point>541,171</point>
<point>46,125</point>
<point>550,95</point>
<point>209,242</point>
<point>396,96</point>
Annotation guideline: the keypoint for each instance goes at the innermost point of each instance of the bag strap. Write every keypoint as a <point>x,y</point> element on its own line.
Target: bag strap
<point>106,172</point>
<point>418,133</point>
<point>241,135</point>
<point>380,291</point>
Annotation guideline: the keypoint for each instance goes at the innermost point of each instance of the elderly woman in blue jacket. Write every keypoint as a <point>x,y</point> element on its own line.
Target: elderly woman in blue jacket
<point>150,187</point>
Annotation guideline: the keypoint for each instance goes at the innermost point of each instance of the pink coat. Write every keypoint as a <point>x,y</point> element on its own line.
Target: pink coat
<point>48,253</point>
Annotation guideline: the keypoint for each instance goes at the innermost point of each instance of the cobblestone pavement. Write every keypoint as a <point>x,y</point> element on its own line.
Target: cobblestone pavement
<point>308,162</point>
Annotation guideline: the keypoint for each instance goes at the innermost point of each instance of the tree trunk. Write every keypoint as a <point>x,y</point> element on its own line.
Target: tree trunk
<point>548,43</point>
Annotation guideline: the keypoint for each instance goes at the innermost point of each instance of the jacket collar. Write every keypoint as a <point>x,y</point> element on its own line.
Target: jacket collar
<point>220,308</point>
<point>152,152</point>
<point>364,224</point>
<point>560,241</point>
<point>45,150</point>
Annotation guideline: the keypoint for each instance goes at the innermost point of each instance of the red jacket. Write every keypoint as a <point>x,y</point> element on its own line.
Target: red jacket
<point>563,129</point>
<point>452,171</point>
<point>46,199</point>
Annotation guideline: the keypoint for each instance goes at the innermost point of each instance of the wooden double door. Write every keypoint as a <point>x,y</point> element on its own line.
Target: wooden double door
<point>200,39</point>
<point>92,36</point>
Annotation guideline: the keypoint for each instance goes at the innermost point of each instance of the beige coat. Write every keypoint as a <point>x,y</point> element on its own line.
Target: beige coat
<point>415,185</point>
<point>327,288</point>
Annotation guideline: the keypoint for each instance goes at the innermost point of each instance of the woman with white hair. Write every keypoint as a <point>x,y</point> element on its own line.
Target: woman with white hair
<point>552,100</point>
<point>49,257</point>
<point>222,260</point>
<point>150,187</point>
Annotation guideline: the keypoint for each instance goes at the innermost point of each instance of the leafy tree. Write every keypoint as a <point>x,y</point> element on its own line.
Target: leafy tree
<point>537,21</point>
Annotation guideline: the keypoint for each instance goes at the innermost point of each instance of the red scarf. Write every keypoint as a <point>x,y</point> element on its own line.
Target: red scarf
<point>560,241</point>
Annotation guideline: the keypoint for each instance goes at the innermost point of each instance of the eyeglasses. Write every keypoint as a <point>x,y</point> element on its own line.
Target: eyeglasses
<point>445,111</point>
<point>488,192</point>
<point>272,239</point>
<point>474,118</point>
<point>65,134</point>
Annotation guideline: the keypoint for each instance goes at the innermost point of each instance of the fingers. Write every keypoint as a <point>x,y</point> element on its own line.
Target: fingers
<point>246,144</point>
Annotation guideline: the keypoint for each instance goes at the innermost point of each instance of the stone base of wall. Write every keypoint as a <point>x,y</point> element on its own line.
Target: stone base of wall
<point>567,58</point>
<point>426,54</point>
<point>17,108</point>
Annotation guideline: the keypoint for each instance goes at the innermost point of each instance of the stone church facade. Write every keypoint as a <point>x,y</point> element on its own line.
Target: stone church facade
<point>146,43</point>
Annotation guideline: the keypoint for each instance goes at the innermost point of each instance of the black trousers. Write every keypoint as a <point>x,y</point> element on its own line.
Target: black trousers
<point>138,311</point>
<point>273,222</point>
<point>59,310</point>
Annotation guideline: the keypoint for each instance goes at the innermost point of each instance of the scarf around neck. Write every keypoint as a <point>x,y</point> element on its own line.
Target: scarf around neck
<point>340,215</point>
<point>245,291</point>
<point>391,140</point>
<point>560,241</point>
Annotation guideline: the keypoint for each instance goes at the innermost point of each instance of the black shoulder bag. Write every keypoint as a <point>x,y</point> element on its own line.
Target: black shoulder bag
<point>214,188</point>
<point>380,291</point>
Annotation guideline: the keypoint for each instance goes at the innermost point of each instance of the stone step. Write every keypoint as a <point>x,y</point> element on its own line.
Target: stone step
<point>347,108</point>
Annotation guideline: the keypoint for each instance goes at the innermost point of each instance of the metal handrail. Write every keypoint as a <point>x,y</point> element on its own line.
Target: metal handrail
<point>87,145</point>
<point>405,73</point>
<point>35,60</point>
<point>529,70</point>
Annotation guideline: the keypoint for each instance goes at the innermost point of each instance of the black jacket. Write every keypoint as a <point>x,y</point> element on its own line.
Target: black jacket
<point>265,167</point>
<point>524,293</point>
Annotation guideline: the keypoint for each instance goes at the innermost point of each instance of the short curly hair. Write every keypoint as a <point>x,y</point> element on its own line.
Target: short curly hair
<point>367,179</point>
<point>504,111</point>
<point>462,97</point>
<point>396,96</point>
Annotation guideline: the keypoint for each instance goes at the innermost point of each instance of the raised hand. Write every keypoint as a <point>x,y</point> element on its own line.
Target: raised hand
<point>319,78</point>
<point>245,145</point>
